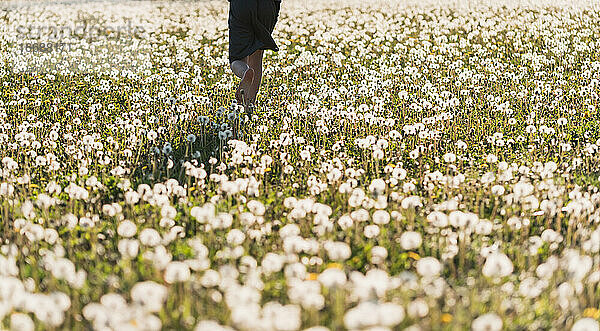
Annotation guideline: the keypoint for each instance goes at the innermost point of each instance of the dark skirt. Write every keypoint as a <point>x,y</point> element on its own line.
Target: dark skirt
<point>251,23</point>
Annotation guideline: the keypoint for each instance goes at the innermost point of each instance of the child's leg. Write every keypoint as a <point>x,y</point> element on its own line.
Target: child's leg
<point>241,69</point>
<point>255,62</point>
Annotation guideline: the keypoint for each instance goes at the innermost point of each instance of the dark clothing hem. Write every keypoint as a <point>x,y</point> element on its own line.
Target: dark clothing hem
<point>251,23</point>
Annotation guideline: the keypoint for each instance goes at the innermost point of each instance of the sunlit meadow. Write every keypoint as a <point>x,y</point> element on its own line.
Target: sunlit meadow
<point>424,165</point>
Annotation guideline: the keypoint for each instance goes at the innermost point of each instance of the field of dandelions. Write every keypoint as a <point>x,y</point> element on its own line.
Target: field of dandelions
<point>418,165</point>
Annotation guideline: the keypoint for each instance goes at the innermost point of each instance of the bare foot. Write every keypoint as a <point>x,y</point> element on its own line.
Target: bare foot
<point>243,89</point>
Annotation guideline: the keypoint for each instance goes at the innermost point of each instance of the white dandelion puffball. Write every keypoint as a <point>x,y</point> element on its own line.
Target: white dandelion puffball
<point>332,277</point>
<point>586,324</point>
<point>487,322</point>
<point>418,308</point>
<point>410,240</point>
<point>497,265</point>
<point>381,217</point>
<point>429,267</point>
<point>150,237</point>
<point>378,254</point>
<point>371,231</point>
<point>21,322</point>
<point>149,295</point>
<point>177,272</point>
<point>127,229</point>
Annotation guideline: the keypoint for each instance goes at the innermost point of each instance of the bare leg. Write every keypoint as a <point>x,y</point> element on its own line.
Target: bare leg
<point>241,69</point>
<point>255,62</point>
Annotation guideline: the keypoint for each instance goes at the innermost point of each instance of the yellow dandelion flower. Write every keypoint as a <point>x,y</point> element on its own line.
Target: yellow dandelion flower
<point>334,265</point>
<point>446,318</point>
<point>591,312</point>
<point>312,276</point>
